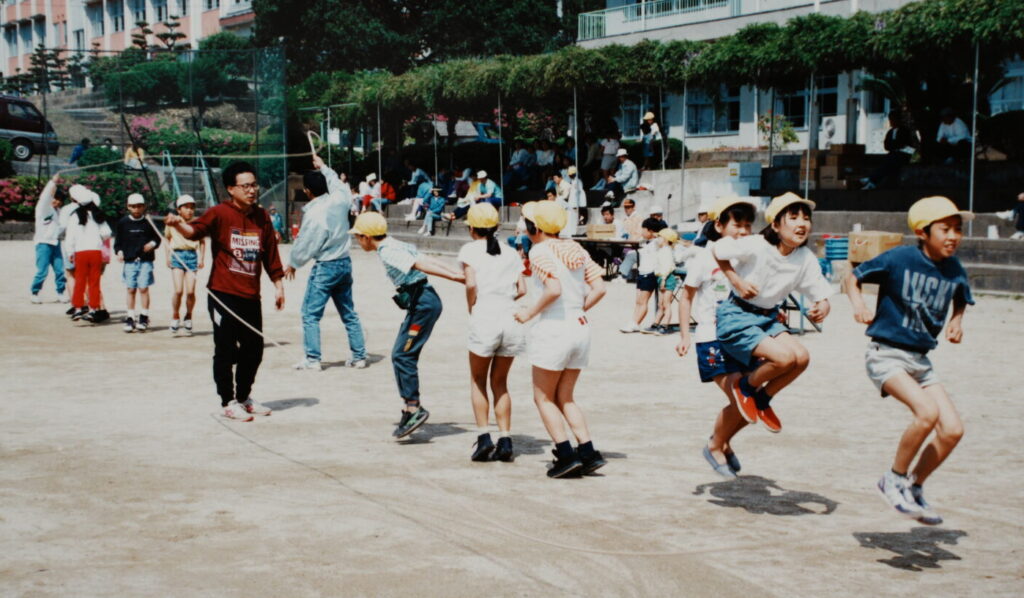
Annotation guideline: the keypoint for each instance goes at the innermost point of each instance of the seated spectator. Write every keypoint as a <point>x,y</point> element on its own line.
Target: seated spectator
<point>518,174</point>
<point>108,144</point>
<point>489,190</point>
<point>624,180</point>
<point>569,152</point>
<point>434,211</point>
<point>369,193</point>
<point>417,178</point>
<point>954,138</point>
<point>545,159</point>
<point>1017,216</point>
<point>134,156</point>
<point>706,223</point>
<point>78,150</point>
<point>900,144</point>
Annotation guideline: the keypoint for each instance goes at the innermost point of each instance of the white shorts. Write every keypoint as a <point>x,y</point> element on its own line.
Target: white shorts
<point>495,334</point>
<point>884,361</point>
<point>558,345</point>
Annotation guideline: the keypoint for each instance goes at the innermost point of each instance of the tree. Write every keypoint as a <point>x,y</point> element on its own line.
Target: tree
<point>171,36</point>
<point>140,39</point>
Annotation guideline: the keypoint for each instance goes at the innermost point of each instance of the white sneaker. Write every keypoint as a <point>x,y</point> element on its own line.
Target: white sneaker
<point>234,410</point>
<point>928,515</point>
<point>410,217</point>
<point>359,364</point>
<point>895,489</point>
<point>174,327</point>
<point>253,408</point>
<point>188,327</point>
<point>35,299</point>
<point>63,297</point>
<point>1017,235</point>
<point>308,364</point>
<point>631,327</point>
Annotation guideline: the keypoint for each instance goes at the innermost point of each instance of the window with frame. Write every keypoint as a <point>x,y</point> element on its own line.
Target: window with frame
<point>11,37</point>
<point>96,26</point>
<point>116,11</point>
<point>139,11</point>
<point>212,4</point>
<point>707,115</point>
<point>183,8</point>
<point>1010,96</point>
<point>26,39</point>
<point>79,39</point>
<point>23,111</point>
<point>795,106</point>
<point>633,108</point>
<point>160,6</point>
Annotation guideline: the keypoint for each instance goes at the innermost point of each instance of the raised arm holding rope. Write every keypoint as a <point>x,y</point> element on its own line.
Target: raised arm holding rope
<point>242,243</point>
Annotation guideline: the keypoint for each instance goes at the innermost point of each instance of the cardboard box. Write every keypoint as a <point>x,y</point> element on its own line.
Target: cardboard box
<point>600,230</point>
<point>828,175</point>
<point>844,161</point>
<point>837,185</point>
<point>847,149</point>
<point>867,244</point>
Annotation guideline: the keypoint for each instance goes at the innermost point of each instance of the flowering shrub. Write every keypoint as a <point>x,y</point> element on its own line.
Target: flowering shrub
<point>141,126</point>
<point>180,141</point>
<point>18,195</point>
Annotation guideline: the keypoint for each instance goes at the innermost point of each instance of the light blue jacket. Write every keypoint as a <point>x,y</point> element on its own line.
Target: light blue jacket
<point>627,175</point>
<point>324,233</point>
<point>491,187</point>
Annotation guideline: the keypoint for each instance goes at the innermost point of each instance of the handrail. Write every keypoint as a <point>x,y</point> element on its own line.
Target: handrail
<point>168,164</point>
<point>204,170</point>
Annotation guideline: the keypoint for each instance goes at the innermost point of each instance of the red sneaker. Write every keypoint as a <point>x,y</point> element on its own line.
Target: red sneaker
<point>770,420</point>
<point>744,403</point>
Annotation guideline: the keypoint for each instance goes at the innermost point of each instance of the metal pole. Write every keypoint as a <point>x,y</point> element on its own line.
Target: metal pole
<point>380,147</point>
<point>661,120</point>
<point>812,131</point>
<point>328,136</point>
<point>433,127</point>
<point>974,136</point>
<point>501,164</point>
<point>682,157</point>
<point>771,129</point>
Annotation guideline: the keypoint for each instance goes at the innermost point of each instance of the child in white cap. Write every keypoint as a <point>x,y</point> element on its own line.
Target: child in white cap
<point>916,286</point>
<point>135,241</point>
<point>87,229</point>
<point>569,283</point>
<point>184,258</point>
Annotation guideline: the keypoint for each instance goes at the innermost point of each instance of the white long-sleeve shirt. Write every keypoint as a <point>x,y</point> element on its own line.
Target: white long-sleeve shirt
<point>627,175</point>
<point>85,237</point>
<point>954,132</point>
<point>47,218</point>
<point>775,275</point>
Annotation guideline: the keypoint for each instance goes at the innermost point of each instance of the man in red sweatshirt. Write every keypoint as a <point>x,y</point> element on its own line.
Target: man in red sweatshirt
<point>243,243</point>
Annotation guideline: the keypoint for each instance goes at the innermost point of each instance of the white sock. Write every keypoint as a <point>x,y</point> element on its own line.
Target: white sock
<point>131,313</point>
<point>145,312</point>
<point>483,430</point>
<point>504,434</point>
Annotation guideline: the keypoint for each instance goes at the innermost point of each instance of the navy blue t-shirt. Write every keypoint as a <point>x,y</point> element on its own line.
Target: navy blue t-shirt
<point>913,296</point>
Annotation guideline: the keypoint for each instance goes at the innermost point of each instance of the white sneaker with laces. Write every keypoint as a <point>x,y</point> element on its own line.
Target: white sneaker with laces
<point>359,364</point>
<point>63,297</point>
<point>253,408</point>
<point>928,515</point>
<point>188,327</point>
<point>895,489</point>
<point>630,327</point>
<point>234,410</point>
<point>1017,235</point>
<point>35,299</point>
<point>308,364</point>
<point>174,327</point>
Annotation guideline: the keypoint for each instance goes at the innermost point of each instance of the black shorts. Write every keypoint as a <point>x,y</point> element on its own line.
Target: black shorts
<point>647,282</point>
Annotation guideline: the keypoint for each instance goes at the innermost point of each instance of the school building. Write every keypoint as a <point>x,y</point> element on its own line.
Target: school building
<point>108,25</point>
<point>847,115</point>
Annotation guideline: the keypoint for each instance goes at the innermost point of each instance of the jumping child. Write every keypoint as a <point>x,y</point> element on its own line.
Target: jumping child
<point>494,281</point>
<point>569,283</point>
<point>916,287</point>
<point>704,289</point>
<point>768,268</point>
<point>134,243</point>
<point>408,271</point>
<point>184,259</point>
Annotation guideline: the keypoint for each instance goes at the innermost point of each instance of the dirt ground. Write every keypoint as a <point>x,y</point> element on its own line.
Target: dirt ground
<point>119,479</point>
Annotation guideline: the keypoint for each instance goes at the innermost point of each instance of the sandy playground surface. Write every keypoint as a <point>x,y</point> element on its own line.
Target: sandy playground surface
<point>118,479</point>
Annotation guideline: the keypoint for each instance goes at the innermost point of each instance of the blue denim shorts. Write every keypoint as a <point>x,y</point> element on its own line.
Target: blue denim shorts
<point>137,275</point>
<point>671,282</point>
<point>188,257</point>
<point>740,331</point>
<point>713,361</point>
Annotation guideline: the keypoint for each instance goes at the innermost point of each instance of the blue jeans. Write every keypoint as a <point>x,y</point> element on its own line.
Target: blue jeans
<point>416,328</point>
<point>429,218</point>
<point>331,279</point>
<point>48,256</point>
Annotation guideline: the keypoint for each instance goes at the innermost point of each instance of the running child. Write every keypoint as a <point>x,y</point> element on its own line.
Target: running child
<point>408,271</point>
<point>184,258</point>
<point>647,281</point>
<point>569,283</point>
<point>87,229</point>
<point>665,271</point>
<point>915,288</point>
<point>134,243</point>
<point>768,267</point>
<point>704,289</point>
<point>494,281</point>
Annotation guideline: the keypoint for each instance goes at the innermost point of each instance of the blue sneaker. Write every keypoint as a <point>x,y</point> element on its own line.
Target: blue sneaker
<point>720,468</point>
<point>928,515</point>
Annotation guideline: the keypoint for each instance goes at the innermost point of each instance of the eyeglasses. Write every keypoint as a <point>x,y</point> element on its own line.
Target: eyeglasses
<point>248,186</point>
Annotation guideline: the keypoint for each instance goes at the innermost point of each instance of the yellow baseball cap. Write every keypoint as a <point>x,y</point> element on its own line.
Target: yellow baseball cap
<point>782,202</point>
<point>528,209</point>
<point>370,224</point>
<point>549,217</point>
<point>929,209</point>
<point>669,235</point>
<point>724,203</point>
<point>482,215</point>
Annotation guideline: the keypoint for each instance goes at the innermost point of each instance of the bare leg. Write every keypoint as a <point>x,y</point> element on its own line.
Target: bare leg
<point>190,294</point>
<point>640,309</point>
<point>803,359</point>
<point>570,410</point>
<point>926,414</point>
<point>729,420</point>
<point>948,431</point>
<point>778,358</point>
<point>144,296</point>
<point>545,385</point>
<point>478,367</point>
<point>499,390</point>
<point>177,276</point>
<point>131,300</point>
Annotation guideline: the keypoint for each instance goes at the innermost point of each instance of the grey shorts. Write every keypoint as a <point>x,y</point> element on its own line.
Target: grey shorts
<point>884,361</point>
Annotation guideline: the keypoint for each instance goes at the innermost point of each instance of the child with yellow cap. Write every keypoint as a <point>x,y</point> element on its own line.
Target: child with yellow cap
<point>408,271</point>
<point>568,283</point>
<point>664,271</point>
<point>768,267</point>
<point>494,280</point>
<point>916,287</point>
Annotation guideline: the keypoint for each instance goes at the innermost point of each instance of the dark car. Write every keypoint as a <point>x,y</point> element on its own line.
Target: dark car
<point>23,125</point>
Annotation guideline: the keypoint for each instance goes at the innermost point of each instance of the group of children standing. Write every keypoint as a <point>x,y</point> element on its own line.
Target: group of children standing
<point>76,241</point>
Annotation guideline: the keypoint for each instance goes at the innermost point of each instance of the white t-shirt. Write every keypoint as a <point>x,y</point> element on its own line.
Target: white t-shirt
<point>775,275</point>
<point>496,275</point>
<point>609,146</point>
<point>703,274</point>
<point>666,263</point>
<point>648,258</point>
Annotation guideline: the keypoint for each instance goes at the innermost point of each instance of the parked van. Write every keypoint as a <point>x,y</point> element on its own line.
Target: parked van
<point>23,125</point>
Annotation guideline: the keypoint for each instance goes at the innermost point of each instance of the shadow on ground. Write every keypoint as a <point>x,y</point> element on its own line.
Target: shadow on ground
<point>428,431</point>
<point>371,359</point>
<point>759,495</point>
<point>286,404</point>
<point>916,550</point>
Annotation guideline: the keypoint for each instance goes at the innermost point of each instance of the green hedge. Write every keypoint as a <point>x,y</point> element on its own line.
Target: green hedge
<point>6,155</point>
<point>18,195</point>
<point>101,155</point>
